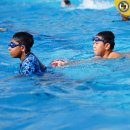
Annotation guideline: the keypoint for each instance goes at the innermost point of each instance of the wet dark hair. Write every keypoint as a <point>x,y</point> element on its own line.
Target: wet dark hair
<point>108,37</point>
<point>24,38</point>
<point>67,2</point>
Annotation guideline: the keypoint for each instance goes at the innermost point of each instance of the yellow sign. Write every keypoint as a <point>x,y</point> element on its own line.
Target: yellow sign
<point>123,6</point>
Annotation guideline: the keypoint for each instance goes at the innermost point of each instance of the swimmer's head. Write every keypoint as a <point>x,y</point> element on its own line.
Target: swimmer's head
<point>65,3</point>
<point>108,37</point>
<point>25,39</point>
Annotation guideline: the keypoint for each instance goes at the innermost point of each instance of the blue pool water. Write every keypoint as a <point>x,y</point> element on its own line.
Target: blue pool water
<point>90,96</point>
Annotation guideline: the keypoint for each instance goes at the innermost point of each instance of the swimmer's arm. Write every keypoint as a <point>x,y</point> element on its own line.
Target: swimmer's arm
<point>75,62</point>
<point>82,61</point>
<point>2,29</point>
<point>126,55</point>
<point>58,63</point>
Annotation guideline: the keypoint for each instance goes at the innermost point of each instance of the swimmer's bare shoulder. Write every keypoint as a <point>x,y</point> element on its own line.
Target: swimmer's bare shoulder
<point>115,55</point>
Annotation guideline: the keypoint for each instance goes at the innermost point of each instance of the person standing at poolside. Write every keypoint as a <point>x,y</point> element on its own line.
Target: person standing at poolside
<point>65,3</point>
<point>103,45</point>
<point>20,47</point>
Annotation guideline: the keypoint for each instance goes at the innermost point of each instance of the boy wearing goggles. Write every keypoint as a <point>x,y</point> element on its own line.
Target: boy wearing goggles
<point>103,45</point>
<point>20,47</point>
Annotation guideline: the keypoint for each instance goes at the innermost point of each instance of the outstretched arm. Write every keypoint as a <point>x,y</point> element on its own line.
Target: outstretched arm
<point>58,63</point>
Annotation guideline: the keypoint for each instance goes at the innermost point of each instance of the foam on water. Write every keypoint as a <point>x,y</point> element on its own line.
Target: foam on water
<point>96,4</point>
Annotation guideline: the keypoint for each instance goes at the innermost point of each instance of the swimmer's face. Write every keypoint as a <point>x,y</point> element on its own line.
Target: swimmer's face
<point>15,49</point>
<point>98,46</point>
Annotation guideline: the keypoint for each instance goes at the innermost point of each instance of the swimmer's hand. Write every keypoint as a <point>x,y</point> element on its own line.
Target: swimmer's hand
<point>2,29</point>
<point>58,63</point>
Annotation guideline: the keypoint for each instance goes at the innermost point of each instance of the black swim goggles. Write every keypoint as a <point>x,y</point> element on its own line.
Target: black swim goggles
<point>13,45</point>
<point>96,39</point>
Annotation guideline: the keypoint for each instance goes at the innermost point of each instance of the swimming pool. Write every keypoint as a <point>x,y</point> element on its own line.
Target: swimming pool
<point>89,96</point>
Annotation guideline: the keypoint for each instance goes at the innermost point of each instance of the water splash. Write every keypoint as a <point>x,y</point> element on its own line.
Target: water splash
<point>96,4</point>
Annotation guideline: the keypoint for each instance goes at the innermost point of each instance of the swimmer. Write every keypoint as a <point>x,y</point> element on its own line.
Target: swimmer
<point>20,47</point>
<point>125,17</point>
<point>65,3</point>
<point>2,29</point>
<point>103,45</point>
